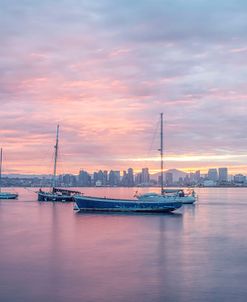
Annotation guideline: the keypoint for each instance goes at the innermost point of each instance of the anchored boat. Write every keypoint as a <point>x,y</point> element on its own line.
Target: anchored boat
<point>186,196</point>
<point>146,203</point>
<point>56,194</point>
<point>5,195</point>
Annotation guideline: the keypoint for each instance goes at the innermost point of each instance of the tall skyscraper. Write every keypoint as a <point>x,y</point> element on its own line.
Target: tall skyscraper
<point>99,177</point>
<point>114,178</point>
<point>169,179</point>
<point>105,178</point>
<point>138,179</point>
<point>223,174</point>
<point>213,174</point>
<point>84,179</point>
<point>124,181</point>
<point>145,177</point>
<point>130,177</point>
<point>197,176</point>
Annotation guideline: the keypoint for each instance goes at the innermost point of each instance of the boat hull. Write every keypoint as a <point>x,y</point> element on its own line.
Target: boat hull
<point>188,200</point>
<point>7,195</point>
<point>86,203</point>
<point>45,196</point>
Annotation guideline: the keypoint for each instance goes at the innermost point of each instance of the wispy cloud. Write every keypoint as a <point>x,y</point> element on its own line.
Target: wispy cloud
<point>105,70</point>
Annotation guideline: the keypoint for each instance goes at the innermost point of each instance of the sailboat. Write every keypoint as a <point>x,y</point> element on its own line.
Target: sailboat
<point>56,194</point>
<point>145,203</point>
<point>5,195</point>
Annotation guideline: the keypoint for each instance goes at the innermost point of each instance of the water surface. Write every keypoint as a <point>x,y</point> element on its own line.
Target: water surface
<point>50,253</point>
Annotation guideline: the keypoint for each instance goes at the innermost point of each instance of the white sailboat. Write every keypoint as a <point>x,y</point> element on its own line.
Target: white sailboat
<point>185,196</point>
<point>145,203</point>
<point>5,195</point>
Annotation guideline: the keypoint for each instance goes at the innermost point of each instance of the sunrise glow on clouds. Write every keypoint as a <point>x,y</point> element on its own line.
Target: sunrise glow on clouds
<point>104,70</point>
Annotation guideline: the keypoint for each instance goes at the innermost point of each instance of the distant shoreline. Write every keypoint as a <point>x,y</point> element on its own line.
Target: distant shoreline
<point>135,187</point>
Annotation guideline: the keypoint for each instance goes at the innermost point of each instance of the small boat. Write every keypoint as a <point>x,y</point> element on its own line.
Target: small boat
<point>8,195</point>
<point>145,203</point>
<point>5,195</point>
<point>186,196</point>
<point>56,194</point>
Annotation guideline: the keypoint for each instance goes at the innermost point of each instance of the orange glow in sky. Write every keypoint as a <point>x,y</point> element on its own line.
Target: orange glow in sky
<point>105,81</point>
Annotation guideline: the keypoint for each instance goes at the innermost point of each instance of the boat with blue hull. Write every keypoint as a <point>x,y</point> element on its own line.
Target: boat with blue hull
<point>5,195</point>
<point>145,203</point>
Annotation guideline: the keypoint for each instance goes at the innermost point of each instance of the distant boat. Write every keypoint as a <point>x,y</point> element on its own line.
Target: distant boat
<point>145,203</point>
<point>5,195</point>
<point>185,196</point>
<point>56,194</point>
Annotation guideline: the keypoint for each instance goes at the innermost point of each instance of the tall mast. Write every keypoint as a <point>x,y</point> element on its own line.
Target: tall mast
<point>161,155</point>
<point>55,159</point>
<point>1,162</point>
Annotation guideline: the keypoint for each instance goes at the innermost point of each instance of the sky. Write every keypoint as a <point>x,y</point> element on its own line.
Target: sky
<point>104,71</point>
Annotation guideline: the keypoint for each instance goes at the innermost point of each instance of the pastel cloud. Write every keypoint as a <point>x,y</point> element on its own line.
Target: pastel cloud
<point>105,70</point>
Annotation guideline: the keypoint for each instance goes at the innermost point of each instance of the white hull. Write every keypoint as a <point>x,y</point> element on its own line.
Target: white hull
<point>187,199</point>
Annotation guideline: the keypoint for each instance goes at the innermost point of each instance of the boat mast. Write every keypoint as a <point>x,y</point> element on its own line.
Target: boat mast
<point>55,159</point>
<point>161,155</point>
<point>1,161</point>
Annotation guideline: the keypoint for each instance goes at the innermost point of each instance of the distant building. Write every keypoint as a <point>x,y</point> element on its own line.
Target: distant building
<point>130,177</point>
<point>124,181</point>
<point>209,183</point>
<point>223,174</point>
<point>145,176</point>
<point>197,176</point>
<point>138,179</point>
<point>239,179</point>
<point>98,183</point>
<point>95,178</point>
<point>186,180</point>
<point>168,179</point>
<point>180,181</point>
<point>213,174</point>
<point>84,179</point>
<point>99,177</point>
<point>105,178</point>
<point>114,178</point>
<point>192,177</point>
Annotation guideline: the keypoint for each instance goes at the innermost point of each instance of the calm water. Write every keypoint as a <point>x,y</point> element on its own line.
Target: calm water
<point>49,253</point>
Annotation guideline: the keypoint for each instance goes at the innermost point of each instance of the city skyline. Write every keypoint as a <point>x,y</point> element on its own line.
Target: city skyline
<point>122,171</point>
<point>212,173</point>
<point>116,178</point>
<point>104,71</point>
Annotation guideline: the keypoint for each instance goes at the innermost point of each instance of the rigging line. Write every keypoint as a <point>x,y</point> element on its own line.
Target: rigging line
<point>61,167</point>
<point>154,138</point>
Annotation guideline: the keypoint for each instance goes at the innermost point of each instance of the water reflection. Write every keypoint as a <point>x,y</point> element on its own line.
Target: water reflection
<point>196,254</point>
